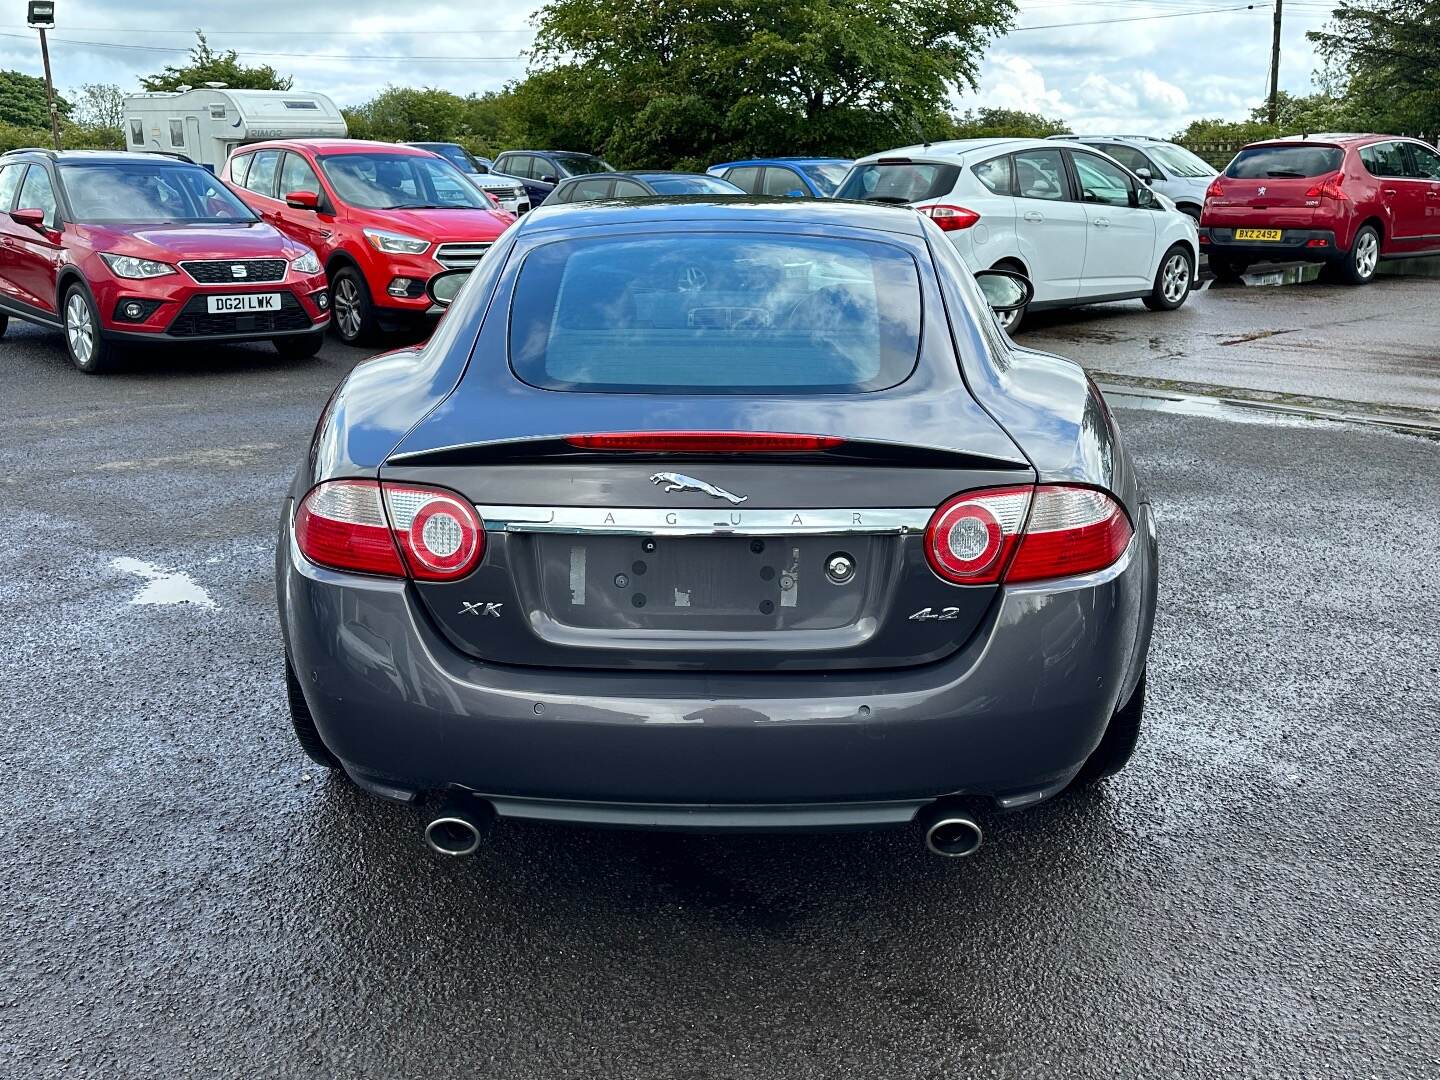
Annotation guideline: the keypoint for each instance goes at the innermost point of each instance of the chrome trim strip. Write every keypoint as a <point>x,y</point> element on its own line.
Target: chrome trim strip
<point>740,521</point>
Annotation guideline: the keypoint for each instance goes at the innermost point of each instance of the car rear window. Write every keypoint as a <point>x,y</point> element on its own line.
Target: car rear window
<point>716,314</point>
<point>1279,162</point>
<point>899,182</point>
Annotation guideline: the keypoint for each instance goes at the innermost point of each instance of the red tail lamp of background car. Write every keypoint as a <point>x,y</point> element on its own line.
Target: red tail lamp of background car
<point>949,218</point>
<point>1012,534</point>
<point>393,530</point>
<point>983,537</point>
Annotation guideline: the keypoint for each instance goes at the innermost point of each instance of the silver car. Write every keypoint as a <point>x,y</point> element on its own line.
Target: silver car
<point>1167,167</point>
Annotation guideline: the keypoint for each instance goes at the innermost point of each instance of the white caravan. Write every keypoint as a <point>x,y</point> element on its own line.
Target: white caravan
<point>206,123</point>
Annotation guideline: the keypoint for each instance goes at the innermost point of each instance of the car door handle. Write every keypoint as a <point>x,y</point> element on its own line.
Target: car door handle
<point>1102,223</point>
<point>1432,194</point>
<point>1388,190</point>
<point>1034,215</point>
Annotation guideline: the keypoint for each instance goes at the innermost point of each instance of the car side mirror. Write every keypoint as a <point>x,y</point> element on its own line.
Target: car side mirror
<point>34,218</point>
<point>548,179</point>
<point>445,286</point>
<point>303,200</point>
<point>1005,290</point>
<point>1146,175</point>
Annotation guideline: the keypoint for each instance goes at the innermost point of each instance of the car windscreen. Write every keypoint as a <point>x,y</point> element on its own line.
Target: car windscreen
<point>716,313</point>
<point>691,185</point>
<point>148,193</point>
<point>581,164</point>
<point>1279,162</point>
<point>899,182</point>
<point>1178,161</point>
<point>400,182</point>
<point>825,175</point>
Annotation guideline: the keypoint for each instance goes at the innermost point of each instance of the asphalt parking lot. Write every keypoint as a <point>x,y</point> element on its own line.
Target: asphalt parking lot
<point>185,895</point>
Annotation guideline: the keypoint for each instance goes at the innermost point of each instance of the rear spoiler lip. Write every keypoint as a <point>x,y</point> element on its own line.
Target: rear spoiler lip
<point>540,449</point>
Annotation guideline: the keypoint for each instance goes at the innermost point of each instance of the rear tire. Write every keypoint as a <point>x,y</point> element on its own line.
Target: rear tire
<point>1117,746</point>
<point>4,324</point>
<point>1173,281</point>
<point>1359,264</point>
<point>299,347</point>
<point>306,734</point>
<point>351,309</point>
<point>1227,269</point>
<point>87,349</point>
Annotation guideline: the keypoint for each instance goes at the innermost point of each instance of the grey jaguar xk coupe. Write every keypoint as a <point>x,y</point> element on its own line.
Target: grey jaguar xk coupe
<point>718,514</point>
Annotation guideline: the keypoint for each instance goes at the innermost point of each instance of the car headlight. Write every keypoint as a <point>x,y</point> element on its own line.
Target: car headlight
<point>308,263</point>
<point>127,266</point>
<point>396,243</point>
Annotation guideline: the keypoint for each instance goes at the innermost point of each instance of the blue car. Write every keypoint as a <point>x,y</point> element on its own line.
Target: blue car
<point>714,514</point>
<point>799,177</point>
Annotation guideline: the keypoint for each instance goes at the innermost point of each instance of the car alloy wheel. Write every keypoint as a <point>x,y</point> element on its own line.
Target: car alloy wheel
<point>1367,253</point>
<point>79,329</point>
<point>1175,278</point>
<point>346,305</point>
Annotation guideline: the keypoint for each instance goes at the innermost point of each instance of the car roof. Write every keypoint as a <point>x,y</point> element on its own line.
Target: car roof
<point>958,151</point>
<point>669,210</point>
<point>1109,138</point>
<point>566,153</point>
<point>779,161</point>
<point>98,156</point>
<point>641,174</point>
<point>337,146</point>
<point>1329,138</point>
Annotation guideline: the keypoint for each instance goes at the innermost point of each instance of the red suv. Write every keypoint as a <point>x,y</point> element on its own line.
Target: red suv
<point>384,218</point>
<point>125,247</point>
<point>1344,200</point>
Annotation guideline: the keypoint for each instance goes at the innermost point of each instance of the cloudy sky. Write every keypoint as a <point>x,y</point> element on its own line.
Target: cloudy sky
<point>1136,65</point>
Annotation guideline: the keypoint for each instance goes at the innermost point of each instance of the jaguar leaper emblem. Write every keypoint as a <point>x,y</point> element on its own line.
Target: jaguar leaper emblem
<point>672,481</point>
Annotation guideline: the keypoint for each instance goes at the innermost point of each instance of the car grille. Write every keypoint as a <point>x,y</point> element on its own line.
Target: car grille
<point>461,256</point>
<point>221,271</point>
<point>195,321</point>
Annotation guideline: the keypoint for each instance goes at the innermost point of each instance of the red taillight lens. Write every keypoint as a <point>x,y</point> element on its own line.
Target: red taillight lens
<point>441,534</point>
<point>1025,534</point>
<point>342,524</point>
<point>970,538</point>
<point>707,442</point>
<point>1329,188</point>
<point>1071,531</point>
<point>949,218</point>
<point>1215,190</point>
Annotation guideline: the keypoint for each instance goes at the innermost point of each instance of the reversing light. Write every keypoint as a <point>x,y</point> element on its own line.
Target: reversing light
<point>440,533</point>
<point>970,537</point>
<point>706,442</point>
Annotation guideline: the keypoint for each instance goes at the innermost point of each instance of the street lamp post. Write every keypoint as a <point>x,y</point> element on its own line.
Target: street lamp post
<point>41,16</point>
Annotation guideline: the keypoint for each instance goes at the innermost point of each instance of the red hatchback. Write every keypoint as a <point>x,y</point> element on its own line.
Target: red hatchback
<point>384,218</point>
<point>117,248</point>
<point>1344,200</point>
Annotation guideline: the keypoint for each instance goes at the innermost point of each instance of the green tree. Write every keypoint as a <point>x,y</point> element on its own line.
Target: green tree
<point>100,105</point>
<point>1385,55</point>
<point>686,82</point>
<point>405,114</point>
<point>1006,124</point>
<point>207,65</point>
<point>22,102</point>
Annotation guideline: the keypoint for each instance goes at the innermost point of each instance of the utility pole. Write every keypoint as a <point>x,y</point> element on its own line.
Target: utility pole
<point>1275,66</point>
<point>42,17</point>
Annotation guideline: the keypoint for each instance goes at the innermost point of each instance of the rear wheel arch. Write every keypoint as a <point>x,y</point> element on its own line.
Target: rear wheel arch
<point>1376,224</point>
<point>1193,209</point>
<point>1010,262</point>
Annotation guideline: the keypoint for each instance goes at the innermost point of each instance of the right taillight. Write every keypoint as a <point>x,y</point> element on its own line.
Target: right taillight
<point>1025,534</point>
<point>1328,188</point>
<point>347,525</point>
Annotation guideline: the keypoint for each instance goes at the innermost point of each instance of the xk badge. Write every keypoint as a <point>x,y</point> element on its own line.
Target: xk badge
<point>481,609</point>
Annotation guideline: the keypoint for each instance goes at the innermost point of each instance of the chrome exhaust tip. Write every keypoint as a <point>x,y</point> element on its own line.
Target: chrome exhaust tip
<point>453,836</point>
<point>954,836</point>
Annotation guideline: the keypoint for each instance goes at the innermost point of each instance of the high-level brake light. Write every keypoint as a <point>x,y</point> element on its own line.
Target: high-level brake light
<point>707,442</point>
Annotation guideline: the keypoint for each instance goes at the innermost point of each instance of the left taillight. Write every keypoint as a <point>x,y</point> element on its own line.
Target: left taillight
<point>367,527</point>
<point>950,218</point>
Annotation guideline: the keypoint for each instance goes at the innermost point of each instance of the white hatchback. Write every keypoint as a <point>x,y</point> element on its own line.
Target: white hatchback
<point>1078,224</point>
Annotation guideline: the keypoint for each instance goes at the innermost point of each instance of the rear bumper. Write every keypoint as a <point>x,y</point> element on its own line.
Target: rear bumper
<point>1294,245</point>
<point>1012,715</point>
